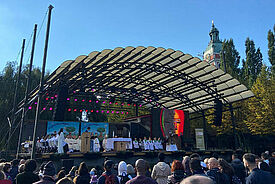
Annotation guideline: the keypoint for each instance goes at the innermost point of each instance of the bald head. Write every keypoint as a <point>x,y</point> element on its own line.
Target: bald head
<point>197,179</point>
<point>141,166</point>
<point>213,163</point>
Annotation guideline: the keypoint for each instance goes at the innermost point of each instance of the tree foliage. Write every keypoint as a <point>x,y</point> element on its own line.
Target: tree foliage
<point>271,47</point>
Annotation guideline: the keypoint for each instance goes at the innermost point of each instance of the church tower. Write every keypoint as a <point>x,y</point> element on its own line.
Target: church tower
<point>212,53</point>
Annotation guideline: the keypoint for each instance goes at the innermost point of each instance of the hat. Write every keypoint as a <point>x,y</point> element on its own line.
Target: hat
<point>49,169</point>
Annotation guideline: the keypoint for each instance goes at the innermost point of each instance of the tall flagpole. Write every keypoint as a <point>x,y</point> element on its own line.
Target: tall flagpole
<point>26,92</point>
<point>41,88</point>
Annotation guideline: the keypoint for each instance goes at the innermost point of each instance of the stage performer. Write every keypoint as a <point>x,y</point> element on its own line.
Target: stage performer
<point>61,141</point>
<point>141,145</point>
<point>136,145</point>
<point>151,144</point>
<point>96,144</point>
<point>155,143</point>
<point>146,144</point>
<point>160,146</point>
<point>104,144</point>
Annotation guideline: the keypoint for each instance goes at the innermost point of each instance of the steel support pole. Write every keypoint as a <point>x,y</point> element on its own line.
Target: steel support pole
<point>204,129</point>
<point>41,83</point>
<point>26,93</point>
<point>234,126</point>
<point>14,107</point>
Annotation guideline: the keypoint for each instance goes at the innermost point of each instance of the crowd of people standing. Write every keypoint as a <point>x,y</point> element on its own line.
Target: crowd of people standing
<point>249,169</point>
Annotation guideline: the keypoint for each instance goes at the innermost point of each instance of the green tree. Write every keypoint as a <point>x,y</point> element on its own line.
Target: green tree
<point>260,115</point>
<point>232,58</point>
<point>253,63</point>
<point>271,48</point>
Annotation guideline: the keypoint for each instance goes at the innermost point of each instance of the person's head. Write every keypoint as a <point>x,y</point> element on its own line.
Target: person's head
<point>264,156</point>
<point>197,179</point>
<point>122,168</point>
<point>130,169</point>
<point>21,168</point>
<point>225,167</point>
<point>49,169</point>
<point>83,169</point>
<point>30,166</point>
<point>93,172</point>
<point>195,165</point>
<point>141,167</point>
<point>61,174</point>
<point>22,161</point>
<point>249,161</point>
<point>185,163</point>
<point>61,130</point>
<point>108,165</point>
<point>195,156</point>
<point>264,166</point>
<point>65,180</point>
<point>2,175</point>
<point>15,162</point>
<point>7,168</point>
<point>235,156</point>
<point>161,157</point>
<point>213,163</point>
<point>176,165</point>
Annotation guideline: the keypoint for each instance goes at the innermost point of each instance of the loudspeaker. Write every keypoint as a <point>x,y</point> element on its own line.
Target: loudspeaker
<point>217,112</point>
<point>60,106</point>
<point>67,164</point>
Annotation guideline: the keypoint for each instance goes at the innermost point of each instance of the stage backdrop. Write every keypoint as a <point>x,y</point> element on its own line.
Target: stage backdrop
<point>101,129</point>
<point>68,127</point>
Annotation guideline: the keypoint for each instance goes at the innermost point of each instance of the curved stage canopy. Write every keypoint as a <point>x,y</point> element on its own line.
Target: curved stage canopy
<point>151,76</point>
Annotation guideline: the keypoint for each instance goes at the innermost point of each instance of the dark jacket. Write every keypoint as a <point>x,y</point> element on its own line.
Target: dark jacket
<point>85,179</point>
<point>176,177</point>
<point>218,177</point>
<point>26,178</point>
<point>101,179</point>
<point>13,172</point>
<point>142,180</point>
<point>239,169</point>
<point>45,180</point>
<point>258,176</point>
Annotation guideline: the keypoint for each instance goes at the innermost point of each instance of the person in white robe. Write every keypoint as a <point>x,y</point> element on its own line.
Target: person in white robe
<point>155,143</point>
<point>96,144</point>
<point>141,145</point>
<point>159,143</point>
<point>151,144</point>
<point>136,144</point>
<point>61,141</point>
<point>146,144</point>
<point>104,144</point>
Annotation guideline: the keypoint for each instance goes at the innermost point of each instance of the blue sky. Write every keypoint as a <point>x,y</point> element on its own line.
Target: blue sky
<point>82,26</point>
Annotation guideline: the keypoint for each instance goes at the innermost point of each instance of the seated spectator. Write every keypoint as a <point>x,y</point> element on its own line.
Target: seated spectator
<point>93,174</point>
<point>197,179</point>
<point>48,174</point>
<point>108,175</point>
<point>65,180</point>
<point>196,168</point>
<point>228,170</point>
<point>214,172</point>
<point>131,171</point>
<point>141,178</point>
<point>123,177</point>
<point>61,174</point>
<point>28,177</point>
<point>238,167</point>
<point>14,169</point>
<point>256,175</point>
<point>265,157</point>
<point>6,169</point>
<point>83,175</point>
<point>264,166</point>
<point>177,173</point>
<point>161,170</point>
<point>3,179</point>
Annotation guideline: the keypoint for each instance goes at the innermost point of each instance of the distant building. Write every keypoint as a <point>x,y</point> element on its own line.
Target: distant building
<point>212,53</point>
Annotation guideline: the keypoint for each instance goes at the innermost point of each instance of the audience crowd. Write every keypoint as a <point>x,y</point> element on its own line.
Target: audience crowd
<point>246,169</point>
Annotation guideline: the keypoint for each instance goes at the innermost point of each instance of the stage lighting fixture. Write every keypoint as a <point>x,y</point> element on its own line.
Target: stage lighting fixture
<point>68,99</point>
<point>51,108</point>
<point>30,107</point>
